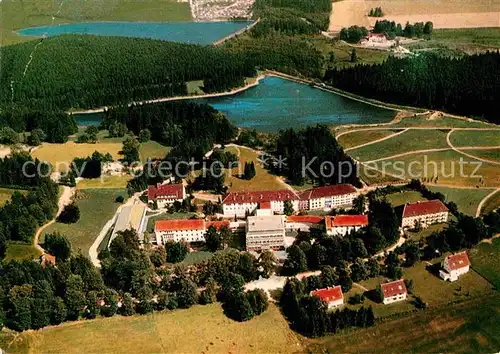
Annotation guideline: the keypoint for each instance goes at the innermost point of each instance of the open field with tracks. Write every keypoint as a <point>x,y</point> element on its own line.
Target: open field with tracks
<point>467,200</point>
<point>484,259</point>
<point>491,203</point>
<point>200,329</point>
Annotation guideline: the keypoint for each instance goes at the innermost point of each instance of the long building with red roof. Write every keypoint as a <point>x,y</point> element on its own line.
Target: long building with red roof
<point>187,230</point>
<point>341,225</point>
<point>332,296</point>
<point>166,194</point>
<point>426,213</point>
<point>394,291</point>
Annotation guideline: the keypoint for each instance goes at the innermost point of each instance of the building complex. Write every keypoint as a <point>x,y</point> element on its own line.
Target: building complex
<point>424,213</point>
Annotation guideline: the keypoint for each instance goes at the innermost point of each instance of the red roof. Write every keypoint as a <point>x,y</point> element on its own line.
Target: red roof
<point>346,220</point>
<point>376,35</point>
<point>46,259</point>
<point>166,191</point>
<point>457,261</point>
<point>328,191</point>
<point>265,205</point>
<point>259,197</point>
<point>216,224</point>
<point>424,208</point>
<point>329,294</point>
<point>394,288</point>
<point>181,224</point>
<point>311,219</point>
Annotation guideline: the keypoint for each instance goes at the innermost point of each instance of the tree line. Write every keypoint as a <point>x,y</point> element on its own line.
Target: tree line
<point>429,80</point>
<point>393,29</point>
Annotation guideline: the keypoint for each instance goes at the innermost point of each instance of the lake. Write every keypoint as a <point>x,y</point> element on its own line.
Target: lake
<point>277,104</point>
<point>186,32</point>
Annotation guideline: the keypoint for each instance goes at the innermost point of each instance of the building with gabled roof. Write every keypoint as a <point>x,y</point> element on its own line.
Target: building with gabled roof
<point>241,204</point>
<point>333,296</point>
<point>454,265</point>
<point>341,225</point>
<point>329,197</point>
<point>304,222</point>
<point>166,194</point>
<point>394,291</point>
<point>188,230</point>
<point>426,213</point>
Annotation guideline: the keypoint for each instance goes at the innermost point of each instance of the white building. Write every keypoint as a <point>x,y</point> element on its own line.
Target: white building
<point>131,217</point>
<point>332,296</point>
<point>394,291</point>
<point>303,222</point>
<point>454,266</point>
<point>243,203</point>
<point>265,232</point>
<point>166,194</point>
<point>341,225</point>
<point>426,213</point>
<point>330,197</point>
<point>187,230</point>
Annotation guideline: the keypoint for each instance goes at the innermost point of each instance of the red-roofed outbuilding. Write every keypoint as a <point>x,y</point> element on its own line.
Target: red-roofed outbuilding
<point>332,296</point>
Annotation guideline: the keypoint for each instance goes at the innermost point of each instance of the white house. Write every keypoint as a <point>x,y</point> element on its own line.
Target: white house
<point>332,296</point>
<point>426,213</point>
<point>166,194</point>
<point>265,232</point>
<point>329,197</point>
<point>303,222</point>
<point>394,291</point>
<point>341,225</point>
<point>184,230</point>
<point>454,266</point>
<point>241,203</point>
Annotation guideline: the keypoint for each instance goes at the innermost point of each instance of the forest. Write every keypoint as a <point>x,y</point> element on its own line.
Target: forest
<point>469,85</point>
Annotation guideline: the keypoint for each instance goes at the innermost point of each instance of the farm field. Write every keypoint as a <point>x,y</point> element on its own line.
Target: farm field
<point>61,155</point>
<point>467,200</point>
<point>17,14</point>
<point>6,194</point>
<point>152,150</point>
<point>97,206</point>
<point>492,155</point>
<point>475,138</point>
<point>484,259</point>
<point>20,251</point>
<point>195,330</point>
<point>491,203</point>
<point>464,327</point>
<point>353,139</point>
<point>263,180</point>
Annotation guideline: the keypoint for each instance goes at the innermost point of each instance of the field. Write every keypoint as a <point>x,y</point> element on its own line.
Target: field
<point>473,138</point>
<point>484,259</point>
<point>426,232</point>
<point>200,329</point>
<point>467,200</point>
<point>443,13</point>
<point>467,327</point>
<point>353,139</point>
<point>29,13</point>
<point>491,203</point>
<point>61,155</point>
<point>491,155</point>
<point>152,150</point>
<point>97,206</point>
<point>105,182</point>
<point>20,251</point>
<point>401,198</point>
<point>6,194</point>
<point>263,180</point>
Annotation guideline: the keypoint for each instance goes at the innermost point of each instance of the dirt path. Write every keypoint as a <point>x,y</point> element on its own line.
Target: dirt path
<point>64,200</point>
<point>378,140</point>
<point>357,285</point>
<point>448,141</point>
<point>481,203</point>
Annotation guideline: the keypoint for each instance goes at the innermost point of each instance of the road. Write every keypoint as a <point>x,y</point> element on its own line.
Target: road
<point>481,203</point>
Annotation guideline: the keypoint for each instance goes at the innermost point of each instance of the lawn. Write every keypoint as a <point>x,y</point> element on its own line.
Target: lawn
<point>29,13</point>
<point>467,200</point>
<point>195,87</point>
<point>61,155</point>
<point>20,252</point>
<point>485,260</point>
<point>467,327</point>
<point>200,329</point>
<point>153,150</point>
<point>97,206</point>
<point>465,39</point>
<point>197,257</point>
<point>475,138</point>
<point>426,232</point>
<point>491,203</point>
<point>409,141</point>
<point>6,194</point>
<point>105,182</point>
<point>351,140</point>
<point>401,198</point>
<point>263,180</point>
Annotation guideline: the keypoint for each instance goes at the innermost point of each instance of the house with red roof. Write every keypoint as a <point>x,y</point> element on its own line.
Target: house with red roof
<point>453,266</point>
<point>166,194</point>
<point>329,197</point>
<point>187,230</point>
<point>304,222</point>
<point>332,296</point>
<point>341,225</point>
<point>426,213</point>
<point>46,259</point>
<point>394,291</point>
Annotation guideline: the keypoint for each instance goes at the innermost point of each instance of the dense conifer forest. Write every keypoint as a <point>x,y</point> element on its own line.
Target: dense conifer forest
<point>468,85</point>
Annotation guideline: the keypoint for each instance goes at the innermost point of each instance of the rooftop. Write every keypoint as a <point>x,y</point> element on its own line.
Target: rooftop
<point>457,261</point>
<point>394,288</point>
<point>166,191</point>
<point>424,208</point>
<point>346,220</point>
<point>265,223</point>
<point>179,224</point>
<point>329,294</point>
<point>328,191</point>
<point>259,197</point>
<point>311,219</point>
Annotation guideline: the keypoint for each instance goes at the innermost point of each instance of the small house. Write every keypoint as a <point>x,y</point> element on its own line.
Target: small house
<point>454,266</point>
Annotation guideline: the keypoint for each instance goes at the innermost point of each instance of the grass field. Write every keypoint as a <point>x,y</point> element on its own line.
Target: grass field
<point>492,155</point>
<point>6,194</point>
<point>467,200</point>
<point>491,203</point>
<point>401,198</point>
<point>197,257</point>
<point>200,329</point>
<point>425,232</point>
<point>29,13</point>
<point>440,122</point>
<point>152,150</point>
<point>362,137</point>
<point>263,180</point>
<point>61,155</point>
<point>484,259</point>
<point>475,138</point>
<point>97,206</point>
<point>20,252</point>
<point>467,327</point>
<point>408,141</point>
<point>105,182</point>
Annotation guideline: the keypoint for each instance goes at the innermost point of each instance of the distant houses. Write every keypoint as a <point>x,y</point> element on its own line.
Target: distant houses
<point>341,225</point>
<point>333,296</point>
<point>453,266</point>
<point>424,213</point>
<point>394,291</point>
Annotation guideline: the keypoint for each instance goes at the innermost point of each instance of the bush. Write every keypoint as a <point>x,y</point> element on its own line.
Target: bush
<point>58,246</point>
<point>119,199</point>
<point>70,214</point>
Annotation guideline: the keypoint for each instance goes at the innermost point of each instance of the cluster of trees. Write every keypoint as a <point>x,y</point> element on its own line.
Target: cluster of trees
<point>250,138</point>
<point>353,34</point>
<point>225,158</point>
<point>90,166</point>
<point>89,136</point>
<point>210,208</point>
<point>376,12</point>
<point>309,315</point>
<point>393,29</point>
<point>13,175</point>
<point>249,171</point>
<point>70,214</point>
<point>314,154</point>
<point>291,17</point>
<point>218,239</point>
<point>429,80</point>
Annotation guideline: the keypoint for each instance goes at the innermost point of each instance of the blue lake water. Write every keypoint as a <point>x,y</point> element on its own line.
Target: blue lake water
<point>186,32</point>
<point>277,104</point>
